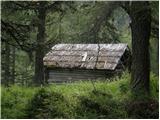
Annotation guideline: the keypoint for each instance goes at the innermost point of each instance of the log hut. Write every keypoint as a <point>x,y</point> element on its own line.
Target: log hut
<point>74,62</point>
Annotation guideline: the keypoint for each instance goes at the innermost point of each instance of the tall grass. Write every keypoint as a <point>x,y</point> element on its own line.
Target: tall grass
<point>14,99</point>
<point>73,100</point>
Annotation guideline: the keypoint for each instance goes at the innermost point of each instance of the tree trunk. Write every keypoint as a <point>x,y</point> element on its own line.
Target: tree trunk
<point>140,14</point>
<point>13,66</point>
<point>39,67</point>
<point>157,57</point>
<point>7,65</point>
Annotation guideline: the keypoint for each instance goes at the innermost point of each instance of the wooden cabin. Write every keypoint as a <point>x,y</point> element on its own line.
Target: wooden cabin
<point>73,62</point>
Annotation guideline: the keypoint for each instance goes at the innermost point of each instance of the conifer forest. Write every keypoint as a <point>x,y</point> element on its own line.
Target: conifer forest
<point>79,59</point>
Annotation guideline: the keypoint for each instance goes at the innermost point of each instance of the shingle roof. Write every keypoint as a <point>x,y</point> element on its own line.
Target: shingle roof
<point>85,56</point>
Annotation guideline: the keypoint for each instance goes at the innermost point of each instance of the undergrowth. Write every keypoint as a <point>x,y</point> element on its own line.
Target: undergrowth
<point>79,100</point>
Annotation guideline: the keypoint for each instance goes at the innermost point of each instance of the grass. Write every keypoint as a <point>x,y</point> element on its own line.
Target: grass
<point>74,100</point>
<point>14,99</point>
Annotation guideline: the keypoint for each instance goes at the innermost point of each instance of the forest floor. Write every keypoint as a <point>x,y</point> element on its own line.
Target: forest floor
<point>80,100</point>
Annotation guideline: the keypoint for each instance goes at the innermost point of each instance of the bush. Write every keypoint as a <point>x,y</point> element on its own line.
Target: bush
<point>47,104</point>
<point>100,105</point>
<point>13,101</point>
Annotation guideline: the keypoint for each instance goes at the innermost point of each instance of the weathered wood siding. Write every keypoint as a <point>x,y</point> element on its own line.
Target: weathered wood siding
<point>59,75</point>
<point>66,75</point>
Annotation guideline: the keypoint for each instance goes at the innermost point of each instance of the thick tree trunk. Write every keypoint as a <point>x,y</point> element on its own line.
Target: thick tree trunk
<point>39,67</point>
<point>140,14</point>
<point>7,65</point>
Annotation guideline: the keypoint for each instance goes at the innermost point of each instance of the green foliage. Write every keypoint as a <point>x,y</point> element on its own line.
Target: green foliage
<point>68,26</point>
<point>100,105</point>
<point>76,100</point>
<point>24,69</point>
<point>80,100</point>
<point>154,86</point>
<point>13,101</point>
<point>154,55</point>
<point>46,104</point>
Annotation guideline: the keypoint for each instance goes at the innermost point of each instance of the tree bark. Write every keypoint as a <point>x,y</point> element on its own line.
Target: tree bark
<point>13,66</point>
<point>157,57</point>
<point>140,14</point>
<point>7,65</point>
<point>39,67</point>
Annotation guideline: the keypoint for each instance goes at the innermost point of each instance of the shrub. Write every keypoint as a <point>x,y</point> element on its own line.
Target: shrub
<point>13,101</point>
<point>46,104</point>
<point>100,105</point>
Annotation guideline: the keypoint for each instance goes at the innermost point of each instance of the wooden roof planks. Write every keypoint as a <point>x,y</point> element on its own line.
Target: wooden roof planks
<point>85,56</point>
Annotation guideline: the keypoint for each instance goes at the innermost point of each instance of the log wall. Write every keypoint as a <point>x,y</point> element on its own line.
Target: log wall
<point>67,75</point>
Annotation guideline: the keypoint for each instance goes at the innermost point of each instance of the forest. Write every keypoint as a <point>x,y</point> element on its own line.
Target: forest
<point>30,29</point>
